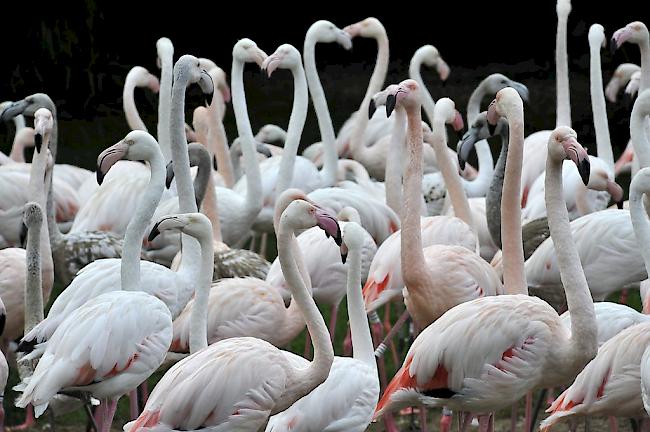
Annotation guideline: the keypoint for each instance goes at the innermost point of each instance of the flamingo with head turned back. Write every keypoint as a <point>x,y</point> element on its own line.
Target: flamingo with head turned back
<point>485,354</point>
<point>619,80</point>
<point>137,77</point>
<point>259,379</point>
<point>352,387</point>
<point>610,384</point>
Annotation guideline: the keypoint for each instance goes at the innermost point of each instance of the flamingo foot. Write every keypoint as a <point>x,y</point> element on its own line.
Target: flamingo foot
<point>29,420</point>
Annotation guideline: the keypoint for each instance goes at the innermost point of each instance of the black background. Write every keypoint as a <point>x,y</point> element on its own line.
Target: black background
<point>81,55</point>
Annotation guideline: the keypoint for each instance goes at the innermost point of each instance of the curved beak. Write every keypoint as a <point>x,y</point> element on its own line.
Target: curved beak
<point>259,57</point>
<point>611,89</point>
<point>344,253</point>
<point>372,107</point>
<point>458,124</point>
<point>154,84</point>
<point>108,158</point>
<point>207,86</point>
<point>443,69</point>
<point>170,174</point>
<point>618,38</point>
<point>270,64</point>
<point>579,156</point>
<point>521,89</point>
<point>492,117</point>
<point>225,91</point>
<point>214,163</point>
<point>263,149</point>
<point>616,191</point>
<point>352,30</point>
<point>13,110</point>
<point>155,232</point>
<point>391,100</point>
<point>23,233</point>
<point>343,38</point>
<point>465,146</point>
<point>329,224</point>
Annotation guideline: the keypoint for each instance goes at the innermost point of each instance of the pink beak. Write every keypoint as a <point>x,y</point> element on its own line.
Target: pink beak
<point>579,156</point>
<point>492,114</point>
<point>443,69</point>
<point>329,224</point>
<point>270,64</point>
<point>458,123</point>
<point>108,158</point>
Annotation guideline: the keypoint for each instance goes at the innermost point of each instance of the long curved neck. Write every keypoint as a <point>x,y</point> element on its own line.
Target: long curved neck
<point>603,143</point>
<point>128,102</point>
<point>485,164</point>
<point>640,223</point>
<point>294,131</point>
<point>376,82</point>
<point>361,339</point>
<point>514,276</point>
<point>164,103</point>
<point>449,173</point>
<point>394,163</point>
<point>644,47</point>
<point>474,102</point>
<point>495,192</point>
<point>562,73</point>
<point>583,320</point>
<point>307,378</point>
<point>199,318</point>
<point>637,133</point>
<point>33,284</point>
<point>253,177</point>
<point>38,188</point>
<point>210,208</point>
<point>330,155</point>
<point>413,264</point>
<point>428,104</point>
<point>18,147</point>
<point>137,226</point>
<point>218,141</point>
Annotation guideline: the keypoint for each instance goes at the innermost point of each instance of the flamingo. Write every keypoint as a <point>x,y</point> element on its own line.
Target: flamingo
<point>352,387</point>
<point>259,380</point>
<point>137,77</point>
<point>485,354</point>
<point>620,78</point>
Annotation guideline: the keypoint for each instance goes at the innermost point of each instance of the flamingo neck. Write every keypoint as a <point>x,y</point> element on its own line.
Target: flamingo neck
<point>306,379</point>
<point>254,197</point>
<point>394,163</point>
<point>474,102</point>
<point>294,131</point>
<point>640,222</point>
<point>21,140</point>
<point>218,141</point>
<point>376,82</point>
<point>164,102</point>
<point>495,191</point>
<point>137,227</point>
<point>362,345</point>
<point>128,103</point>
<point>330,155</point>
<point>414,267</point>
<point>583,344</point>
<point>415,72</point>
<point>199,318</point>
<point>39,179</point>
<point>514,276</point>
<point>33,284</point>
<point>562,73</point>
<point>637,131</point>
<point>644,47</point>
<point>210,208</point>
<point>603,143</point>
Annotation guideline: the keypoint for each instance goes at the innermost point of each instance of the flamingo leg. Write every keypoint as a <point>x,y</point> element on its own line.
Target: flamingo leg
<point>464,420</point>
<point>100,413</point>
<point>613,424</point>
<point>514,411</point>
<point>143,394</point>
<point>623,298</point>
<point>445,419</point>
<point>263,241</point>
<point>538,405</point>
<point>253,246</point>
<point>486,423</point>
<point>347,343</point>
<point>377,334</point>
<point>423,419</point>
<point>111,406</point>
<point>29,420</point>
<point>307,354</point>
<point>134,412</point>
<point>529,412</point>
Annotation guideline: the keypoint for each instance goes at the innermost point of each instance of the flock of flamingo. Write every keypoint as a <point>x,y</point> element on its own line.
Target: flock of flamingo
<point>150,250</point>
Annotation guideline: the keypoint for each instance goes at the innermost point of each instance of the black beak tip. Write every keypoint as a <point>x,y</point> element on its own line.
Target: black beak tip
<point>100,176</point>
<point>154,233</point>
<point>491,128</point>
<point>613,46</point>
<point>628,101</point>
<point>619,204</point>
<point>461,162</point>
<point>38,142</point>
<point>208,98</point>
<point>390,104</point>
<point>584,169</point>
<point>214,163</point>
<point>344,257</point>
<point>372,107</point>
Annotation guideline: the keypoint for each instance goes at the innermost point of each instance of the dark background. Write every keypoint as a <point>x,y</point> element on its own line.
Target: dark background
<point>81,56</point>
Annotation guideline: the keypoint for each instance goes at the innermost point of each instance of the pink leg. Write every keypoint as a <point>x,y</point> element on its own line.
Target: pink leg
<point>334,314</point>
<point>445,419</point>
<point>613,424</point>
<point>307,346</point>
<point>134,411</point>
<point>486,423</point>
<point>513,417</point>
<point>529,411</point>
<point>464,420</point>
<point>387,329</point>
<point>111,406</point>
<point>347,343</point>
<point>29,420</point>
<point>423,419</point>
<point>144,389</point>
<point>550,396</point>
<point>389,423</point>
<point>100,413</point>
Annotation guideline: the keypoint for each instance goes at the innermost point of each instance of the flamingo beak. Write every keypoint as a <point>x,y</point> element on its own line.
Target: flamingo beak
<point>329,224</point>
<point>579,156</point>
<point>109,157</point>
